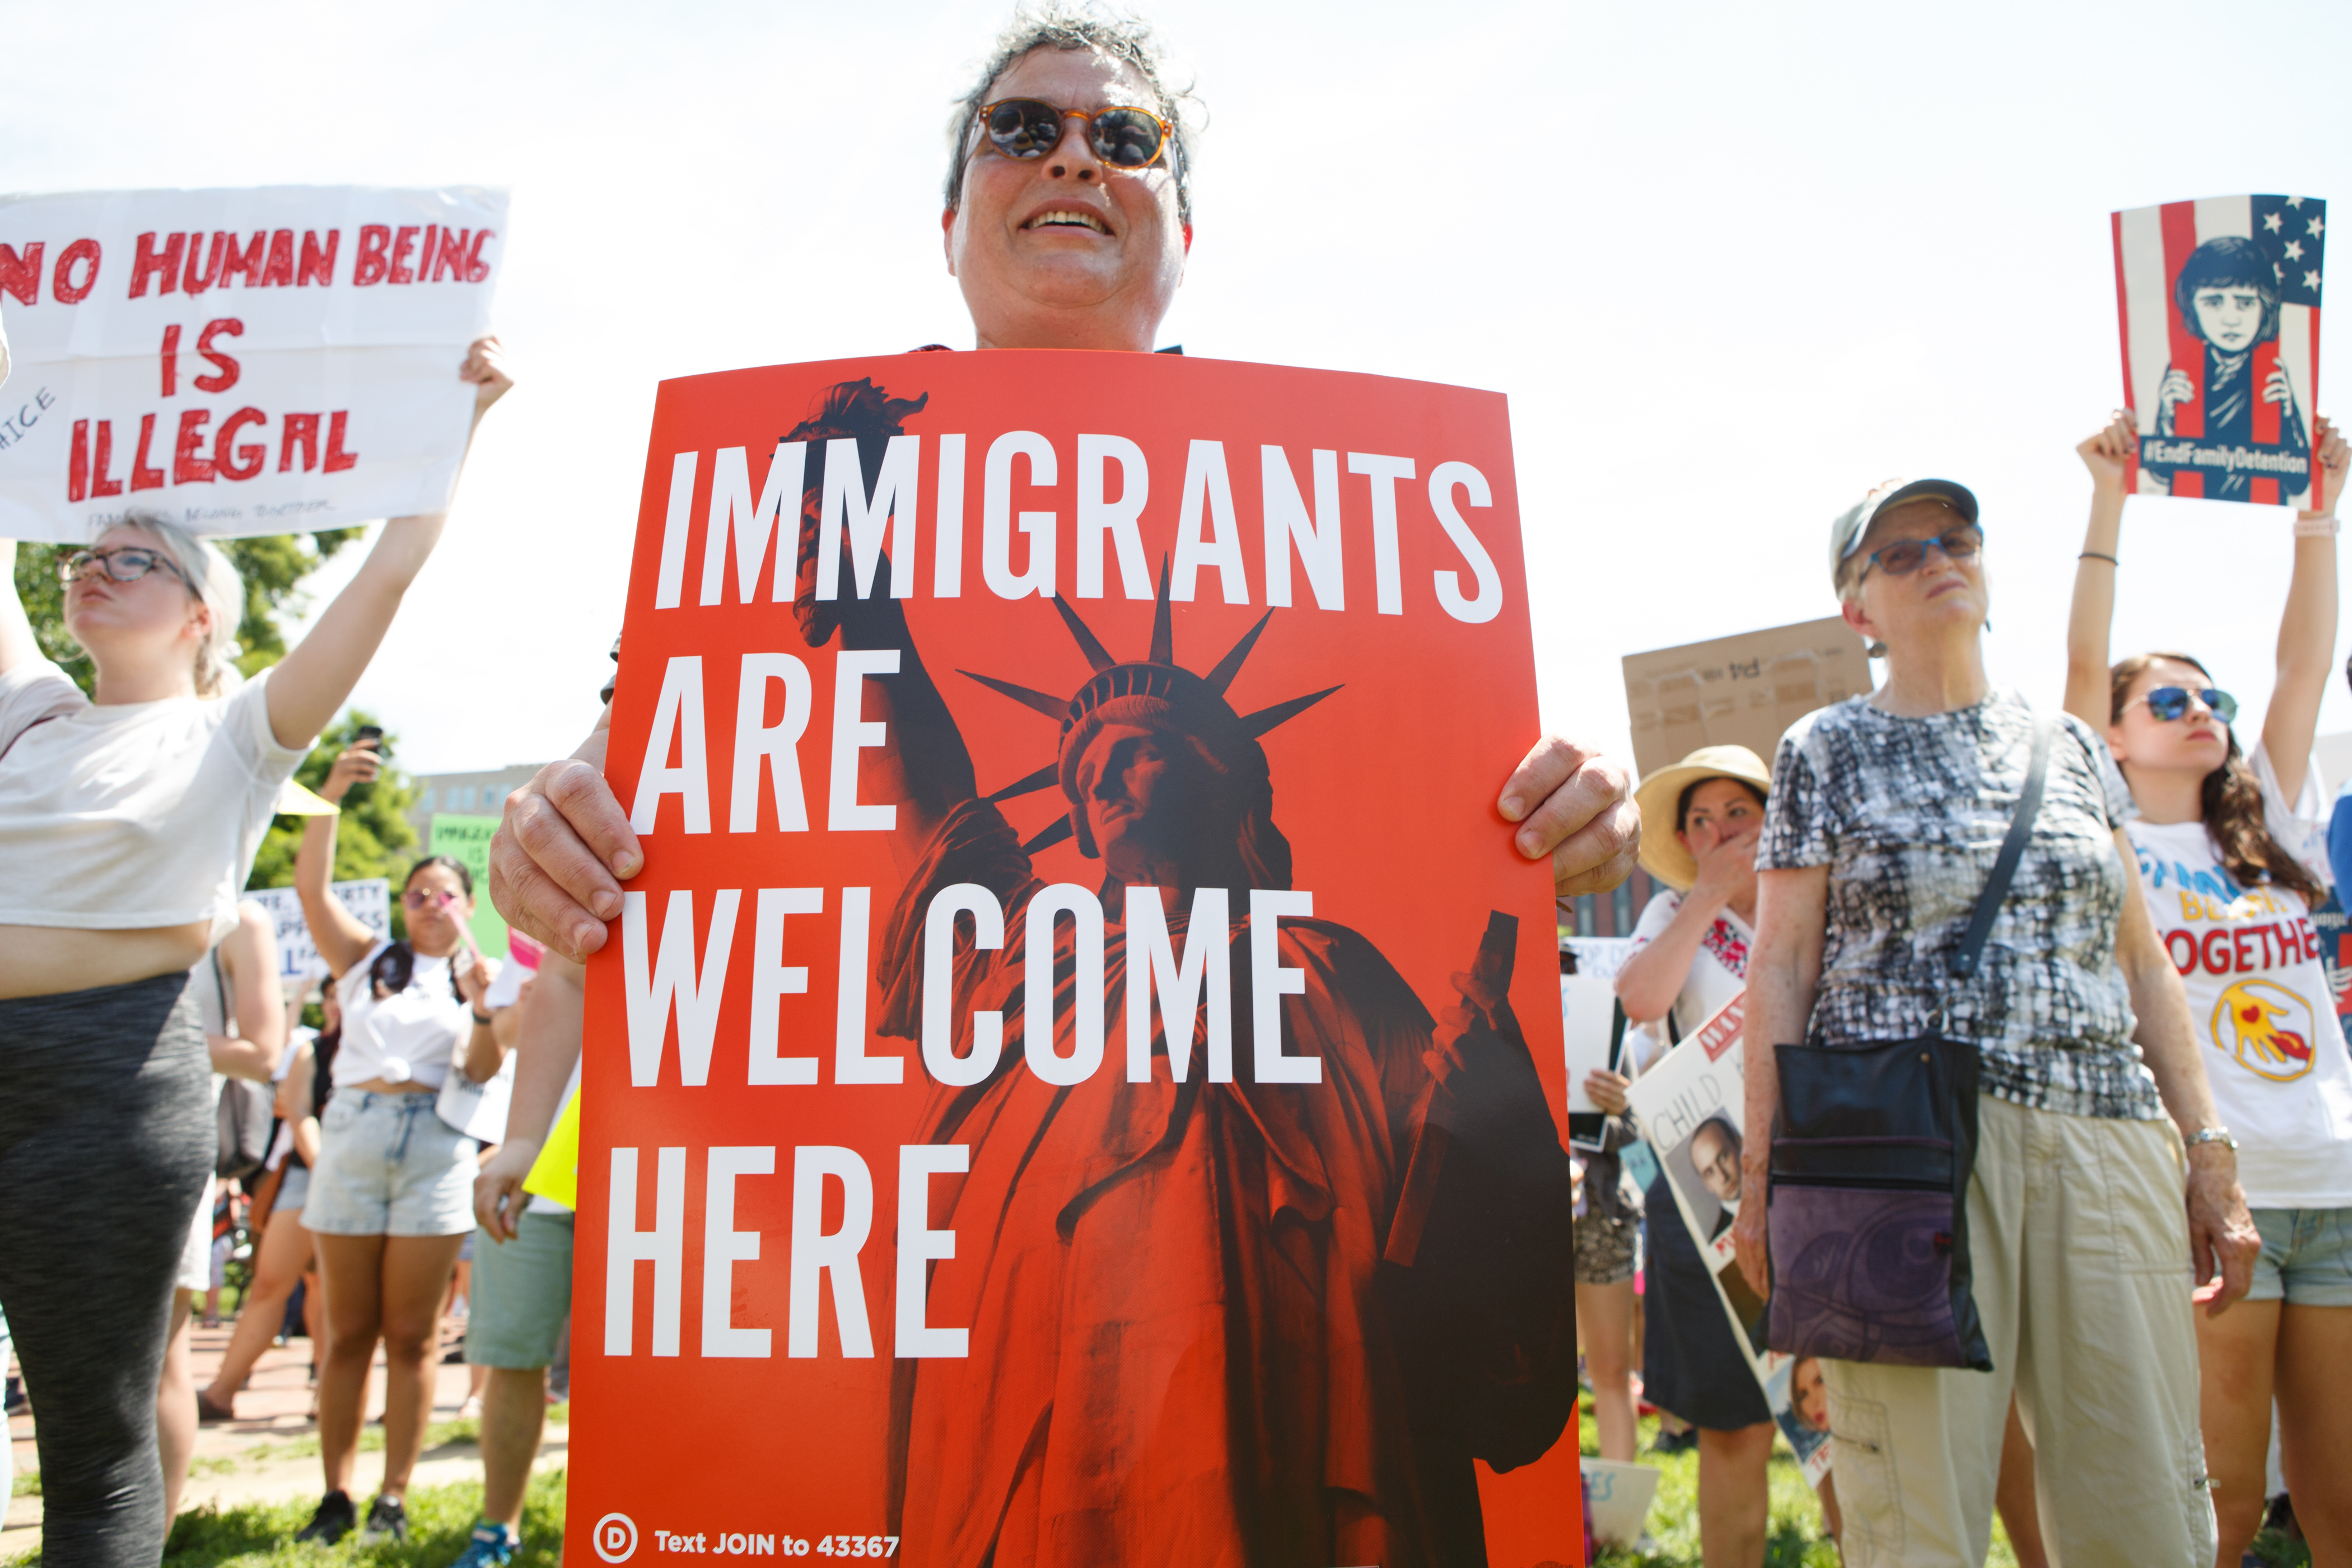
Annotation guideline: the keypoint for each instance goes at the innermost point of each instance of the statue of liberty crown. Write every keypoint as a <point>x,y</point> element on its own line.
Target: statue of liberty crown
<point>1153,688</point>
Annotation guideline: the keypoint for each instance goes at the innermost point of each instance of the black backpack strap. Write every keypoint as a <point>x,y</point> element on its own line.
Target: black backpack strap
<point>2012,850</point>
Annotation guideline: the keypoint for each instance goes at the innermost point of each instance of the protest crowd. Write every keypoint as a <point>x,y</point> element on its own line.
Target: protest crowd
<point>2140,1356</point>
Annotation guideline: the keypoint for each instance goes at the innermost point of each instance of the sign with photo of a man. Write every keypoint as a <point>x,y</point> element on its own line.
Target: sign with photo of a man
<point>1690,1107</point>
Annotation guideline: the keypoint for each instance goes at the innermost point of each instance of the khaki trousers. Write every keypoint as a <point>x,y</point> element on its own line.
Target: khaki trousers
<point>2080,1244</point>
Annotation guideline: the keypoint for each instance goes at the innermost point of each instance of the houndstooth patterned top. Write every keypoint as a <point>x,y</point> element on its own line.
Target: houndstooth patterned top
<point>1909,815</point>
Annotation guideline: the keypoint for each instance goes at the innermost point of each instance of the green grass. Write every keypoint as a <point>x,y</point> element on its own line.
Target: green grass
<point>371,1442</point>
<point>260,1535</point>
<point>2275,1550</point>
<point>28,1484</point>
<point>1797,1539</point>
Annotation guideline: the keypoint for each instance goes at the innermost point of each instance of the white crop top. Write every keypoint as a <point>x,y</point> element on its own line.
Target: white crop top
<point>412,1037</point>
<point>134,814</point>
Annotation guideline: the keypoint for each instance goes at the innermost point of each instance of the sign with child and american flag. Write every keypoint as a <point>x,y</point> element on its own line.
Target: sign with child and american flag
<point>2220,302</point>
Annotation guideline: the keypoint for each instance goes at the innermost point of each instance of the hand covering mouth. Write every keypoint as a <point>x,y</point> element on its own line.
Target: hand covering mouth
<point>1068,217</point>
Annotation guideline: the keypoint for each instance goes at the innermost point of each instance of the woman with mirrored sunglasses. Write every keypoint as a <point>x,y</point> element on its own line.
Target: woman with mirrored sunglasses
<point>1066,225</point>
<point>390,1197</point>
<point>129,819</point>
<point>2233,869</point>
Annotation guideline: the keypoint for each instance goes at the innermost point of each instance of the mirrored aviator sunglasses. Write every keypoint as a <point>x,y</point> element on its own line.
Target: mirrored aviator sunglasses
<point>1027,128</point>
<point>2170,702</point>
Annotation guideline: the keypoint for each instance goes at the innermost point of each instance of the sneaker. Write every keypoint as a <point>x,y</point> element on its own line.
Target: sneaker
<point>387,1520</point>
<point>491,1547</point>
<point>331,1523</point>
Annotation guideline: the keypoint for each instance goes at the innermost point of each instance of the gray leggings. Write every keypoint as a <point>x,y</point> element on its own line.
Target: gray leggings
<point>107,1142</point>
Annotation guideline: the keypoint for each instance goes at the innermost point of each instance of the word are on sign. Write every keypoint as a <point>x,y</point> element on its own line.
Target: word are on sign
<point>1077,949</point>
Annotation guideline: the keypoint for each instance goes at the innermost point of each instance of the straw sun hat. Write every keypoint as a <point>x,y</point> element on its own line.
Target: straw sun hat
<point>1663,855</point>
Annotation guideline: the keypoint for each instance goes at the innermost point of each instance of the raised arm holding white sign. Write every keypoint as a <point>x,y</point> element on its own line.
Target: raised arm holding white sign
<point>243,362</point>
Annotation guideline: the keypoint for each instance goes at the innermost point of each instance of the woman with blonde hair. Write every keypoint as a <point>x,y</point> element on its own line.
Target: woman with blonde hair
<point>2233,866</point>
<point>128,822</point>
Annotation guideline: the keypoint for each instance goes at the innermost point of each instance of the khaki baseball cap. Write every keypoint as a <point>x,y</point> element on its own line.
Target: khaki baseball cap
<point>1852,525</point>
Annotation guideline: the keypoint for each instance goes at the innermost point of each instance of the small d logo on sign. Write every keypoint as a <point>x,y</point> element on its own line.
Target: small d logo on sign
<point>616,1538</point>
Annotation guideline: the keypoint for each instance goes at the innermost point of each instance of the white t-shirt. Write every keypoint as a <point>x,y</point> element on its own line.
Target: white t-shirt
<point>134,814</point>
<point>414,1036</point>
<point>1719,971</point>
<point>2259,1004</point>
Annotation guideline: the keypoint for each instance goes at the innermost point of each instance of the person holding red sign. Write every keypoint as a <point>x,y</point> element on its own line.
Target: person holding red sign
<point>1067,225</point>
<point>127,824</point>
<point>1053,248</point>
<point>2232,874</point>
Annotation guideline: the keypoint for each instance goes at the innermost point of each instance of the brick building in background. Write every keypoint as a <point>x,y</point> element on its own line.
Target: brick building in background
<point>1608,914</point>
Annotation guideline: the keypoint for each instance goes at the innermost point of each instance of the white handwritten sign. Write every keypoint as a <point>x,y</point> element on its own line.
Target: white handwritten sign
<point>239,361</point>
<point>369,903</point>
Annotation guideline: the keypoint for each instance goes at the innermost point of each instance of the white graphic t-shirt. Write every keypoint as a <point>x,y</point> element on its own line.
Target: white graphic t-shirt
<point>2259,1003</point>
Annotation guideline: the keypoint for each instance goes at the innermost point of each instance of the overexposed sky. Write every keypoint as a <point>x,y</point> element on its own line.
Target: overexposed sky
<point>1732,263</point>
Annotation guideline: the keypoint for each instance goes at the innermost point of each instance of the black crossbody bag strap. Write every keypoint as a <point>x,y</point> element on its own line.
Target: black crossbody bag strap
<point>2012,850</point>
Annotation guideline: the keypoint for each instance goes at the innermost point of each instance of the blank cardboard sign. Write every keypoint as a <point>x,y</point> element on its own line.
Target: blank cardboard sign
<point>1742,691</point>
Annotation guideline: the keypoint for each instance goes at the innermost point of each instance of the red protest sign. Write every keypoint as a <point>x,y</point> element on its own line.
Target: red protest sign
<point>1237,1232</point>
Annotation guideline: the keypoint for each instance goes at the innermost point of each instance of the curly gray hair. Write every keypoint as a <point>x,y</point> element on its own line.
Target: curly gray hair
<point>1126,38</point>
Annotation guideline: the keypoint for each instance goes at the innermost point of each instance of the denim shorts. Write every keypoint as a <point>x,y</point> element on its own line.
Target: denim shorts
<point>2307,1257</point>
<point>389,1166</point>
<point>293,1192</point>
<point>521,1294</point>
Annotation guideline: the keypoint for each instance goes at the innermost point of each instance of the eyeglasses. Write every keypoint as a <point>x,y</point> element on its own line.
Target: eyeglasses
<point>1908,555</point>
<point>1028,128</point>
<point>2170,702</point>
<point>123,563</point>
<point>418,897</point>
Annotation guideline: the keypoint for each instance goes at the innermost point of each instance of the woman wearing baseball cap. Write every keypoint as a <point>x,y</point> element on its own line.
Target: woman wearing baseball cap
<point>1887,813</point>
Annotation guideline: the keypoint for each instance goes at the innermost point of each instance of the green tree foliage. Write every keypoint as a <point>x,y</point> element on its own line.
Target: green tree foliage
<point>273,569</point>
<point>373,839</point>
